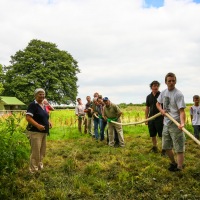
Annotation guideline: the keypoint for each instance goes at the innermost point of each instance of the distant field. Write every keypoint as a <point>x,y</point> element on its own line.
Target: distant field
<point>130,114</point>
<point>64,121</point>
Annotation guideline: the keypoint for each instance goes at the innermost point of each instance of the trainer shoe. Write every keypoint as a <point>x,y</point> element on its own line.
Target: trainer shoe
<point>173,167</point>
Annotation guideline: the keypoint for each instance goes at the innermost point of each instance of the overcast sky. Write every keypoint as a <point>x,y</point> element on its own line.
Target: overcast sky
<point>121,45</point>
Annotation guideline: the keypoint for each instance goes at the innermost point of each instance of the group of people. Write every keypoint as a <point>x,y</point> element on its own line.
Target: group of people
<point>100,112</point>
<point>170,101</point>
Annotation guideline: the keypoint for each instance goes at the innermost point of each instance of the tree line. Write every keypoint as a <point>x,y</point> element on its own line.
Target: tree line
<point>40,65</point>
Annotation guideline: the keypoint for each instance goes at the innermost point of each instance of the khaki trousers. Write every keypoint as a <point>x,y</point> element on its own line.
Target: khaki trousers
<point>89,125</point>
<point>38,150</point>
<point>82,121</point>
<point>119,131</point>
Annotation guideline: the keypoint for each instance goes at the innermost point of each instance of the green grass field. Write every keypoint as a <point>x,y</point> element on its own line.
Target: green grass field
<point>78,167</point>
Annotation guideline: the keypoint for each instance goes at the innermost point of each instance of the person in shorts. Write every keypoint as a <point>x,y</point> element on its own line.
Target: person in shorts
<point>155,126</point>
<point>173,138</point>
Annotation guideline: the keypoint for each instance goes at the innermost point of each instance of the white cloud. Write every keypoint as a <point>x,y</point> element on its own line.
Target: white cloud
<point>120,45</point>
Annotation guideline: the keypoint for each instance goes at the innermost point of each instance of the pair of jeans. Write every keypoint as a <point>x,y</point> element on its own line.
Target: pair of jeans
<point>196,131</point>
<point>89,125</point>
<point>97,126</point>
<point>102,129</point>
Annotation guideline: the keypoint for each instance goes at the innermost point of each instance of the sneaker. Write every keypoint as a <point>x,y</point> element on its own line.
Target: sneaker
<point>172,167</point>
<point>40,166</point>
<point>154,149</point>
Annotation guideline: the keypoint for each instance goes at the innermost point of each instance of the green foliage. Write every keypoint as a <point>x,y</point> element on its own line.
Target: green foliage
<point>1,79</point>
<point>42,64</point>
<point>13,144</point>
<point>122,105</point>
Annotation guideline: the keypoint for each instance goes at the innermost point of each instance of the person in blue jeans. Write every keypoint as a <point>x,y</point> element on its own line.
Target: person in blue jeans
<point>195,116</point>
<point>97,116</point>
<point>103,122</point>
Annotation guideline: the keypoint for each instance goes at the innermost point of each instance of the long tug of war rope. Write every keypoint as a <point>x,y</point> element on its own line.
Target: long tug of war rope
<point>153,117</point>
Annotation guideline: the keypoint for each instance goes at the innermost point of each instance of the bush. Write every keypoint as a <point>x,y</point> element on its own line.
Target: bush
<point>13,144</point>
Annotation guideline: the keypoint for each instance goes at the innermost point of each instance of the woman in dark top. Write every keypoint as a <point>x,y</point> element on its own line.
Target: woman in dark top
<point>38,129</point>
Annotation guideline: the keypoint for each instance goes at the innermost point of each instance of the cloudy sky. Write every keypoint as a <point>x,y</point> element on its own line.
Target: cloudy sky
<point>121,45</point>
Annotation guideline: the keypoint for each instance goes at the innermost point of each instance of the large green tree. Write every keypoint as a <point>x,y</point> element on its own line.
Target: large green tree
<point>42,64</point>
<point>1,79</point>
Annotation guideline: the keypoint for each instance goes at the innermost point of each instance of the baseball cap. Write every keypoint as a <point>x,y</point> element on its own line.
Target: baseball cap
<point>105,99</point>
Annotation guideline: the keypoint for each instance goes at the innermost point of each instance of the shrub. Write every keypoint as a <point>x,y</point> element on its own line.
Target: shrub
<point>13,144</point>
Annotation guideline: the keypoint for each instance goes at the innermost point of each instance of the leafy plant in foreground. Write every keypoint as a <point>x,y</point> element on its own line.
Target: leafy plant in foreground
<point>13,144</point>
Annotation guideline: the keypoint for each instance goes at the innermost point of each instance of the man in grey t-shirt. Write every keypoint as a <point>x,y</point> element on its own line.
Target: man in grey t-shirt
<point>173,136</point>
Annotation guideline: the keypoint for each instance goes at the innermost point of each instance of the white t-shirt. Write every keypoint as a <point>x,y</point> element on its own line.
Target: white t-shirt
<point>195,112</point>
<point>172,101</point>
<point>79,109</point>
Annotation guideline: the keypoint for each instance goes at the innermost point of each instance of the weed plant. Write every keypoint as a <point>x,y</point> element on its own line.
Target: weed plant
<point>13,144</point>
<point>78,167</point>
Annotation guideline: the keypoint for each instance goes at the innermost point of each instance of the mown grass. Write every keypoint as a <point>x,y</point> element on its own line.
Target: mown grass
<point>77,167</point>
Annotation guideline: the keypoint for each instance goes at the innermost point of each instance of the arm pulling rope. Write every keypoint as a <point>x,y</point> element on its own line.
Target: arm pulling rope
<point>184,130</point>
<point>134,123</point>
<point>157,115</point>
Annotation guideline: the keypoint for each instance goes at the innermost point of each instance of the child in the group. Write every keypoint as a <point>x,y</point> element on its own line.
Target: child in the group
<point>195,116</point>
<point>48,107</point>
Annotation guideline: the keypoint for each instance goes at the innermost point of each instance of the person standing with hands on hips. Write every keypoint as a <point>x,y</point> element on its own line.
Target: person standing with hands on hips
<point>172,135</point>
<point>38,129</point>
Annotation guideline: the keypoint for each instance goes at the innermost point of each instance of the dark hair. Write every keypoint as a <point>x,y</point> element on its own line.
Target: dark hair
<point>170,74</point>
<point>195,97</point>
<point>78,99</point>
<point>154,83</point>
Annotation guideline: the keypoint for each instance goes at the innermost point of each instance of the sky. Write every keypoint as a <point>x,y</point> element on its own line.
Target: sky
<point>121,46</point>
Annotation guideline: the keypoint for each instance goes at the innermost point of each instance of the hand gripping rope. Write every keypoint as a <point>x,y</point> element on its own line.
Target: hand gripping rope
<point>157,115</point>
